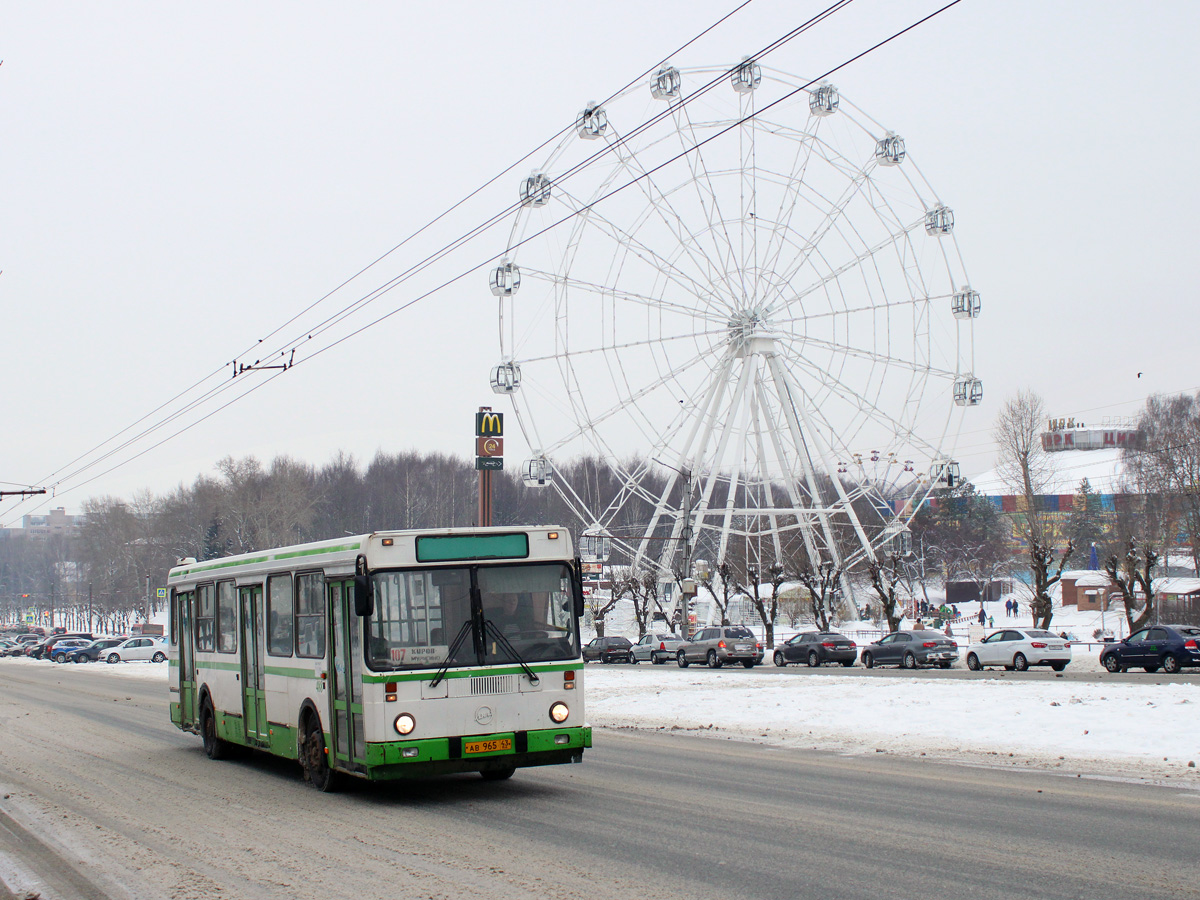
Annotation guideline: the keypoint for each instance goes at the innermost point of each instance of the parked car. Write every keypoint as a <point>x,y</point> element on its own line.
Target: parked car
<point>137,648</point>
<point>1170,647</point>
<point>608,650</point>
<point>1020,648</point>
<point>657,648</point>
<point>816,648</point>
<point>44,649</point>
<point>719,645</point>
<point>92,651</point>
<point>911,649</point>
<point>63,647</point>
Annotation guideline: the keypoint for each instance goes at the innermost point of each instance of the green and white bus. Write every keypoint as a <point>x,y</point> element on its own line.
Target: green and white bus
<point>387,655</point>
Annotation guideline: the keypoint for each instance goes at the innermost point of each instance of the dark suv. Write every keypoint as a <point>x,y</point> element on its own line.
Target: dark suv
<point>720,645</point>
<point>608,650</point>
<point>1170,647</point>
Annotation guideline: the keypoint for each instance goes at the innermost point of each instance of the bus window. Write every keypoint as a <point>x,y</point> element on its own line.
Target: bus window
<point>531,607</point>
<point>226,617</point>
<point>279,615</point>
<point>205,619</point>
<point>417,616</point>
<point>310,615</point>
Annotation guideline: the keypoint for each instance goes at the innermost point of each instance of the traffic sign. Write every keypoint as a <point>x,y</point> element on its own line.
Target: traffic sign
<point>489,462</point>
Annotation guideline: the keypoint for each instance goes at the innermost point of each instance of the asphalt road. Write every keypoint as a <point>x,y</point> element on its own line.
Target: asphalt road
<point>100,797</point>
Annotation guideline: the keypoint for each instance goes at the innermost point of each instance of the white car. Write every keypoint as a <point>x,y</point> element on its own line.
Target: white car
<point>1020,648</point>
<point>137,648</point>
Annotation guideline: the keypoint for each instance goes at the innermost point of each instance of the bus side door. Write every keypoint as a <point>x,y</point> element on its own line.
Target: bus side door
<point>345,718</point>
<point>254,697</point>
<point>187,659</point>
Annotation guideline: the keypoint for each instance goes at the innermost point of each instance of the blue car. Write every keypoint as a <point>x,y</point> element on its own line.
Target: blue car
<point>91,651</point>
<point>1169,647</point>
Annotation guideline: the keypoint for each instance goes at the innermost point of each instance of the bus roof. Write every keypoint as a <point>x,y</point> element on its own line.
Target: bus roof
<point>388,549</point>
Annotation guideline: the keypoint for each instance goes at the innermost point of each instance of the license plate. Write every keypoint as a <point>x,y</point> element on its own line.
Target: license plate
<point>742,647</point>
<point>487,746</point>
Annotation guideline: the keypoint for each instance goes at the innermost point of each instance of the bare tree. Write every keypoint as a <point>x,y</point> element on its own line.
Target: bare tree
<point>886,576</point>
<point>1164,464</point>
<point>821,582</point>
<point>767,607</point>
<point>1132,574</point>
<point>1025,467</point>
<point>640,587</point>
<point>729,589</point>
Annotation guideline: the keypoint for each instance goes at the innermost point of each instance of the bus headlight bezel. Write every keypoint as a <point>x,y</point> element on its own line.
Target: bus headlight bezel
<point>404,724</point>
<point>559,712</point>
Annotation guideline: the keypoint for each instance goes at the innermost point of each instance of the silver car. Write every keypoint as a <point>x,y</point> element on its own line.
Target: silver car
<point>657,648</point>
<point>719,645</point>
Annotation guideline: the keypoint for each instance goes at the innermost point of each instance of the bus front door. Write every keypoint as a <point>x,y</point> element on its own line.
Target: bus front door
<point>254,697</point>
<point>187,660</point>
<point>345,696</point>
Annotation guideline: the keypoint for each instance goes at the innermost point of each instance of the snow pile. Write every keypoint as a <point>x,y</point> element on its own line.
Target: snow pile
<point>1043,722</point>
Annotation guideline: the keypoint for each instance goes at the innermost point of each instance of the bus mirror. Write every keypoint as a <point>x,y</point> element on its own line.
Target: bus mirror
<point>579,604</point>
<point>364,603</point>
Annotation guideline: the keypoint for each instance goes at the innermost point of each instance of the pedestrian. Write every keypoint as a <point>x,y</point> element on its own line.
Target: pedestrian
<point>948,632</point>
<point>982,614</point>
<point>991,624</point>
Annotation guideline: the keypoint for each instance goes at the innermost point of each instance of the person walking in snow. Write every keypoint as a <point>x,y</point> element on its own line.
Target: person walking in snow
<point>982,615</point>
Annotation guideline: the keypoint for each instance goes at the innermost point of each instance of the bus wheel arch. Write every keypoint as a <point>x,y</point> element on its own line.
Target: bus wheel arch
<point>312,750</point>
<point>215,747</point>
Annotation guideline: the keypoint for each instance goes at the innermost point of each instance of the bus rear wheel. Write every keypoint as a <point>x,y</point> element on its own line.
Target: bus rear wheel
<point>214,747</point>
<point>314,758</point>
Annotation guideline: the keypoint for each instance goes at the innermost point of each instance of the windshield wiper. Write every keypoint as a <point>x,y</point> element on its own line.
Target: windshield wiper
<point>500,639</point>
<point>441,673</point>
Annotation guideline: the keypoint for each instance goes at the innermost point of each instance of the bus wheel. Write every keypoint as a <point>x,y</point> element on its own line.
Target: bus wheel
<point>314,758</point>
<point>214,747</point>
<point>498,774</point>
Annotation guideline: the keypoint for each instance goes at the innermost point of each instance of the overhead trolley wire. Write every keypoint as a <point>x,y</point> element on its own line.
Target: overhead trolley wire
<point>365,269</point>
<point>388,286</point>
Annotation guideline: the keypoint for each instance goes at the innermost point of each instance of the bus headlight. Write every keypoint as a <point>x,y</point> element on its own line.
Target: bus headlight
<point>559,711</point>
<point>405,723</point>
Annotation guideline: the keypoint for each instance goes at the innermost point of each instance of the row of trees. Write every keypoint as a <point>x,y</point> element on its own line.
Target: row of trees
<point>246,505</point>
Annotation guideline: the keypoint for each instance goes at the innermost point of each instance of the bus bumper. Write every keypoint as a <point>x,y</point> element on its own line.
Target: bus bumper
<point>441,756</point>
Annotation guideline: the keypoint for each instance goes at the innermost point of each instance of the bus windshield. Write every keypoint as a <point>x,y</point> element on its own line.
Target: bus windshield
<point>422,615</point>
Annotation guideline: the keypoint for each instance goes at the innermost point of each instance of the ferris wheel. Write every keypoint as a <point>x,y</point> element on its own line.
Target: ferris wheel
<point>751,307</point>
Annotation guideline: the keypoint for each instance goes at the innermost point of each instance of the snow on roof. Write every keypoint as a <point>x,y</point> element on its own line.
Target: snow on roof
<point>1177,585</point>
<point>1091,579</point>
<point>1102,469</point>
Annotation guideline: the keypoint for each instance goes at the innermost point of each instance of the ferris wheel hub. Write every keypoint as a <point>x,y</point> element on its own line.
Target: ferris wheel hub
<point>749,333</point>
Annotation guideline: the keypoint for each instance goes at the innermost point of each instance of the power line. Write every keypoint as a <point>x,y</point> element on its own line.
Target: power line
<point>478,230</point>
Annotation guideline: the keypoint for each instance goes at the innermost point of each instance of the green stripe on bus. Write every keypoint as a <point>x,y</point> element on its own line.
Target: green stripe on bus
<point>211,566</point>
<point>219,666</point>
<point>288,672</point>
<point>427,674</point>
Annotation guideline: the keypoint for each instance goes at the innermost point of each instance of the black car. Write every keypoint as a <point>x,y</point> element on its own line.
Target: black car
<point>608,650</point>
<point>911,649</point>
<point>1169,647</point>
<point>817,648</point>
<point>93,651</point>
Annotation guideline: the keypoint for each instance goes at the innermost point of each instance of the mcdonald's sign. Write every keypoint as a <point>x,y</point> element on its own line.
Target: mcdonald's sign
<point>489,424</point>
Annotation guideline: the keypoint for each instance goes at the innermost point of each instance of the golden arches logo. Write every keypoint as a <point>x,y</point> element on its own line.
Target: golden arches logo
<point>489,424</point>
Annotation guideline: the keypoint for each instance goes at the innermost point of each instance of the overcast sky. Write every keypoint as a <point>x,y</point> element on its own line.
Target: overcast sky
<point>180,181</point>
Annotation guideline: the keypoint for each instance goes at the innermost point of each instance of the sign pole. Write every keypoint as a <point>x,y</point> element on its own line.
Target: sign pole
<point>489,455</point>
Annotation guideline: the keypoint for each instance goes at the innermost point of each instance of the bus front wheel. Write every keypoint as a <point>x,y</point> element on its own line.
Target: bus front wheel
<point>498,774</point>
<point>314,758</point>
